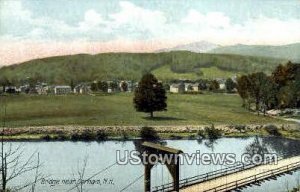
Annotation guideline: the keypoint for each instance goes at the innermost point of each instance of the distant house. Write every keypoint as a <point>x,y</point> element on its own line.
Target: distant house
<point>125,86</point>
<point>188,87</point>
<point>222,85</point>
<point>62,90</point>
<point>10,89</point>
<point>196,87</point>
<point>177,88</point>
<point>42,89</point>
<point>82,89</point>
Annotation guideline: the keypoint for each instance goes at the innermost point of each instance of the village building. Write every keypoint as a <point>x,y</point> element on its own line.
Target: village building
<point>62,90</point>
<point>82,89</point>
<point>196,87</point>
<point>177,88</point>
<point>188,87</point>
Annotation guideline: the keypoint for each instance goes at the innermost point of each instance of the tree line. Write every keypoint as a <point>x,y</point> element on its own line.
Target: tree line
<point>279,90</point>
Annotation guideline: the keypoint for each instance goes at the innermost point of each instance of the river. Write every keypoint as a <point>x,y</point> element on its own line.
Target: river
<point>61,162</point>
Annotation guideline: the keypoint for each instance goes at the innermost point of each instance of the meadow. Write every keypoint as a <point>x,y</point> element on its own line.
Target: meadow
<point>117,109</point>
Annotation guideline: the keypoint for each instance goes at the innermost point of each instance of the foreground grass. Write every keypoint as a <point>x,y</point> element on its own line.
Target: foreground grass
<point>25,110</point>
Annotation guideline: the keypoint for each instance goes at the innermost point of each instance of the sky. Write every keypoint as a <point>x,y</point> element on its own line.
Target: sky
<point>39,28</point>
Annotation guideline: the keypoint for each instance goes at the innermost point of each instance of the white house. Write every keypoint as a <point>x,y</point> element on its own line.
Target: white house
<point>62,90</point>
<point>177,88</point>
<point>82,89</point>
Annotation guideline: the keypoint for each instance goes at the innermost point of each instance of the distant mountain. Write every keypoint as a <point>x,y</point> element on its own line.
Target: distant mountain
<point>290,52</point>
<point>197,47</point>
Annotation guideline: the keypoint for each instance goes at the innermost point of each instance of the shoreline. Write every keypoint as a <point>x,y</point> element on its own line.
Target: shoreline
<point>121,133</point>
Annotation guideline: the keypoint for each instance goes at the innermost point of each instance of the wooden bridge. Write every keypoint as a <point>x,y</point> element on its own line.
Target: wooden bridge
<point>235,177</point>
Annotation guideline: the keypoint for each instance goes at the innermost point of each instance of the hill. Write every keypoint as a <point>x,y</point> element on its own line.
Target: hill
<point>290,51</point>
<point>107,66</point>
<point>197,47</point>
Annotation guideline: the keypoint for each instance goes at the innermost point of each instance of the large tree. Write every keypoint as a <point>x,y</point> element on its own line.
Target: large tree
<point>243,88</point>
<point>150,95</point>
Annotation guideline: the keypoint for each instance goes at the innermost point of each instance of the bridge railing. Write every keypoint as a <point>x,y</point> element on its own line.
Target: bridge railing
<point>255,178</point>
<point>209,176</point>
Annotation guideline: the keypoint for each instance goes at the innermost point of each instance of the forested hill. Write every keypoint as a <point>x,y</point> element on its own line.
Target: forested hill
<point>108,66</point>
<point>290,51</point>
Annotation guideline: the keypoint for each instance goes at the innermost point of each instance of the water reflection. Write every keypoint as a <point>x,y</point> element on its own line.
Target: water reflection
<point>60,159</point>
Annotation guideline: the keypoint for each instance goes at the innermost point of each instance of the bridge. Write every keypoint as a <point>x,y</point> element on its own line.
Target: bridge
<point>234,177</point>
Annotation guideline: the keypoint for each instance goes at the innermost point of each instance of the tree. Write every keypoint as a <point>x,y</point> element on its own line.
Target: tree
<point>268,94</point>
<point>103,86</point>
<point>124,86</point>
<point>243,87</point>
<point>113,85</point>
<point>94,86</point>
<point>214,85</point>
<point>255,89</point>
<point>230,85</point>
<point>14,165</point>
<point>150,95</point>
<point>4,82</point>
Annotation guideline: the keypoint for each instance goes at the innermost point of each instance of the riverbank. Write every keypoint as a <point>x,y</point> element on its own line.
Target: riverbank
<point>89,133</point>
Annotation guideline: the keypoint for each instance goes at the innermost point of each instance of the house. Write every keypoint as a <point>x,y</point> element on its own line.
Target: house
<point>125,86</point>
<point>62,90</point>
<point>10,89</point>
<point>177,88</point>
<point>42,89</point>
<point>222,85</point>
<point>82,89</point>
<point>196,87</point>
<point>188,87</point>
<point>112,86</point>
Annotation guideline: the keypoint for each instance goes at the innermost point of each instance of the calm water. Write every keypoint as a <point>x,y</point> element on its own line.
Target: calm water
<point>62,160</point>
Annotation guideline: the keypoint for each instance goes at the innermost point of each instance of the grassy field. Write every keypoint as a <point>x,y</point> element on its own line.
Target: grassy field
<point>23,110</point>
<point>165,73</point>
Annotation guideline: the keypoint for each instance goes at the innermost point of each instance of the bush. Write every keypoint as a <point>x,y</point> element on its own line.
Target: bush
<point>101,135</point>
<point>201,133</point>
<point>124,135</point>
<point>148,133</point>
<point>75,137</point>
<point>212,132</point>
<point>87,135</point>
<point>60,137</point>
<point>46,137</point>
<point>240,128</point>
<point>272,130</point>
<point>177,137</point>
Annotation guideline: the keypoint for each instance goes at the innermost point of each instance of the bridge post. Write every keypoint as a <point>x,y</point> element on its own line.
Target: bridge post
<point>147,179</point>
<point>173,167</point>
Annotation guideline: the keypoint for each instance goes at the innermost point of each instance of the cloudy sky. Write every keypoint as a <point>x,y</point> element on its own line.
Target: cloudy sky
<point>39,28</point>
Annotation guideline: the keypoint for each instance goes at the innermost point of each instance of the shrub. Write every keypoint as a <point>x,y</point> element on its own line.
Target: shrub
<point>101,135</point>
<point>272,130</point>
<point>148,133</point>
<point>75,137</point>
<point>240,128</point>
<point>124,135</point>
<point>46,137</point>
<point>60,137</point>
<point>201,133</point>
<point>87,135</point>
<point>212,132</point>
<point>177,137</point>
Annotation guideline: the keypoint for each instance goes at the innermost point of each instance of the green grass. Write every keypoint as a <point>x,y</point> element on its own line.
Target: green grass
<point>214,72</point>
<point>165,73</point>
<point>24,110</point>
